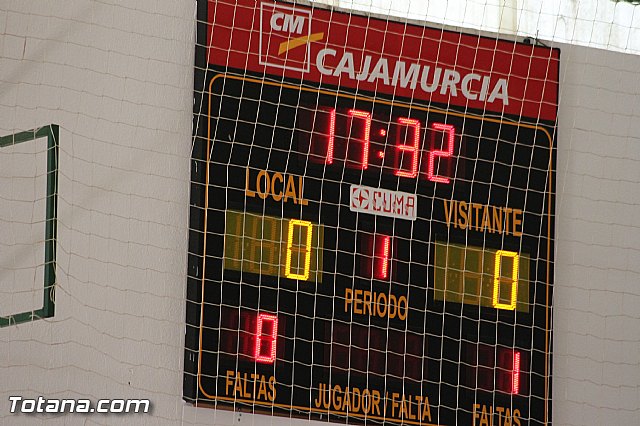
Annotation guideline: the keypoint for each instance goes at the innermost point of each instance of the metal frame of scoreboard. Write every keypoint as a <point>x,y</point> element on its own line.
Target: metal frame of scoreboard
<point>371,235</point>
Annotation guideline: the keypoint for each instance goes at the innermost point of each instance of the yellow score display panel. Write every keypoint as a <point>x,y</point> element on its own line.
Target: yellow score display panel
<point>266,245</point>
<point>475,276</point>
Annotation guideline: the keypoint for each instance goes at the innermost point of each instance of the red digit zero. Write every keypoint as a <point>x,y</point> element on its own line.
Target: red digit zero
<point>266,336</point>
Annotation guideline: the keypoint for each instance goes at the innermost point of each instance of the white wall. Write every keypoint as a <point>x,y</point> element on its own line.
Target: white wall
<point>597,288</point>
<point>608,24</point>
<point>117,77</point>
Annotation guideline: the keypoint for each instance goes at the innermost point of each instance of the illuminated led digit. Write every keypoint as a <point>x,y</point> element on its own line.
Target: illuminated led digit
<point>507,372</point>
<point>381,257</point>
<point>322,135</point>
<point>332,135</point>
<point>266,344</point>
<point>412,149</point>
<point>450,133</point>
<point>515,375</point>
<point>307,249</point>
<point>497,278</point>
<point>354,113</point>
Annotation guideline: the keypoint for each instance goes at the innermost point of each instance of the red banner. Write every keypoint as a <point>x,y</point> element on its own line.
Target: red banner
<point>377,55</point>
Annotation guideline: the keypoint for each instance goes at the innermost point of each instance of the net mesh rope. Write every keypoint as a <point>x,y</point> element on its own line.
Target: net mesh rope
<point>251,258</point>
<point>99,95</point>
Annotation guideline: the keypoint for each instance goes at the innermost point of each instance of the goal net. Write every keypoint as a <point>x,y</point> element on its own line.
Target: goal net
<point>302,213</point>
<point>28,221</point>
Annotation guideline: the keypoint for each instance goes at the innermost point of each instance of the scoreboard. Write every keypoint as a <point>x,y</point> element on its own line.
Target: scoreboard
<point>371,232</point>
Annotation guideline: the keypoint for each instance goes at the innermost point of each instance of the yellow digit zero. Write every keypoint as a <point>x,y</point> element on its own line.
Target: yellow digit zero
<point>497,278</point>
<point>290,248</point>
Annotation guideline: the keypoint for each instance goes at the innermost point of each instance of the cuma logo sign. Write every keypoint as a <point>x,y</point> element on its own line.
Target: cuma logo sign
<point>285,37</point>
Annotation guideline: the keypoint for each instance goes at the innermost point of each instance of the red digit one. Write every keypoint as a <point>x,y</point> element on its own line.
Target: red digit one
<point>266,335</point>
<point>515,375</point>
<point>323,134</point>
<point>331,136</point>
<point>508,367</point>
<point>355,113</point>
<point>381,256</point>
<point>450,133</point>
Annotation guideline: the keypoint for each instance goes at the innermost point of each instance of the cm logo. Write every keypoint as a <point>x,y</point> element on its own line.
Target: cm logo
<point>287,23</point>
<point>285,36</point>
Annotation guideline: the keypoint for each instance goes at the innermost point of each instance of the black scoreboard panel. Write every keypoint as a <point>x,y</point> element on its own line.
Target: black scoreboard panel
<point>301,305</point>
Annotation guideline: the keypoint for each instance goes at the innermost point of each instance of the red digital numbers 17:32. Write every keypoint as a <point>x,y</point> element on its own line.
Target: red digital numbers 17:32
<point>352,137</point>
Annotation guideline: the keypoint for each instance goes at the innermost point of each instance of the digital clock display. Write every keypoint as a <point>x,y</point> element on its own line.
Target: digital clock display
<point>363,257</point>
<point>352,138</point>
